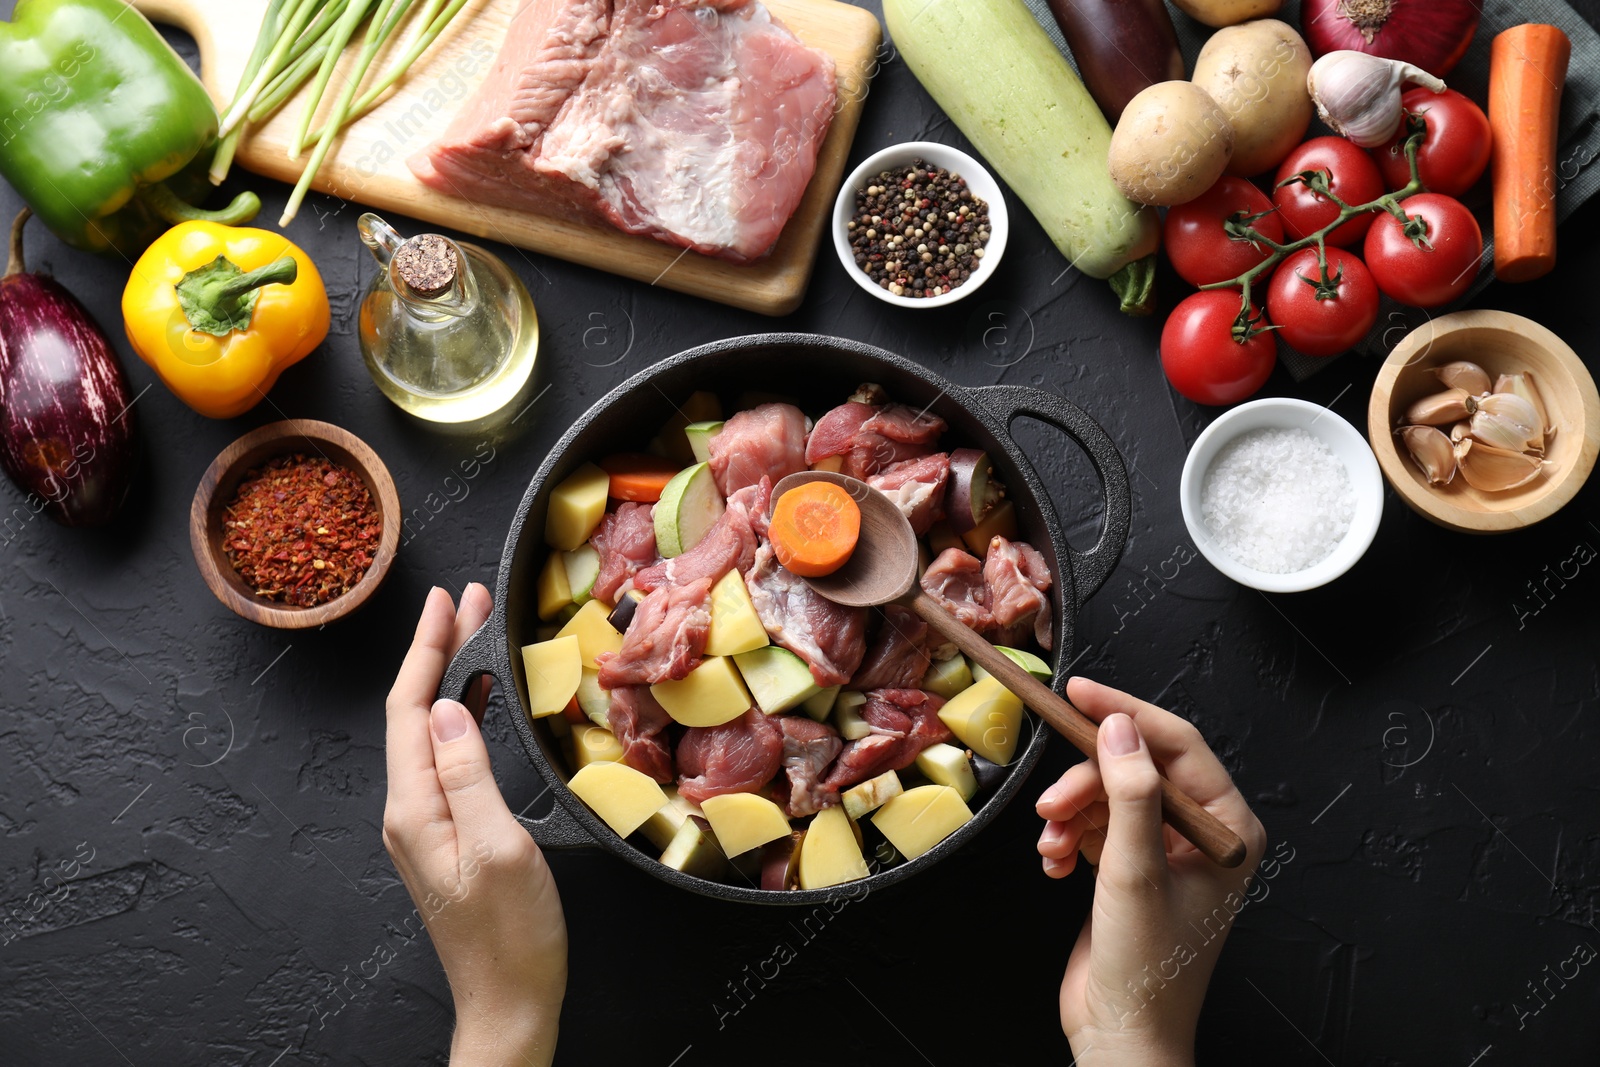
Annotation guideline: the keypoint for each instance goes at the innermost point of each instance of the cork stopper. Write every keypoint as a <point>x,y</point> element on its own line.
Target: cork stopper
<point>427,264</point>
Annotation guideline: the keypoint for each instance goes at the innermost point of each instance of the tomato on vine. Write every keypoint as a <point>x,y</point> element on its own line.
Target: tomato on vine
<point>1210,355</point>
<point>1322,314</point>
<point>1454,151</point>
<point>1432,258</point>
<point>1350,174</point>
<point>1198,240</point>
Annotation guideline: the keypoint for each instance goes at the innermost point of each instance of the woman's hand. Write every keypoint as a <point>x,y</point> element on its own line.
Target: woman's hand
<point>1138,973</point>
<point>478,880</point>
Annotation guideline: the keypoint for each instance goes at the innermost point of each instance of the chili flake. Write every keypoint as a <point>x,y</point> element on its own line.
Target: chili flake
<point>301,530</point>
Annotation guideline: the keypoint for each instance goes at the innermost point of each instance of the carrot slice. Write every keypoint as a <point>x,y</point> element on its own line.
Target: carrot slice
<point>1527,68</point>
<point>638,476</point>
<point>815,527</point>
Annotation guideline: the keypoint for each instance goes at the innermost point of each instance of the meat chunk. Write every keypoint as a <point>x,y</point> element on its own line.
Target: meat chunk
<point>666,638</point>
<point>696,122</point>
<point>1018,578</point>
<point>872,437</point>
<point>808,749</point>
<point>917,488</point>
<point>755,500</point>
<point>829,637</point>
<point>768,441</point>
<point>903,722</point>
<point>640,724</point>
<point>1002,597</point>
<point>955,580</point>
<point>626,541</point>
<point>737,757</point>
<point>899,657</point>
<point>729,544</point>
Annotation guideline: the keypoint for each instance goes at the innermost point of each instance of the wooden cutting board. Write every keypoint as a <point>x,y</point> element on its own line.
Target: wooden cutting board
<point>367,165</point>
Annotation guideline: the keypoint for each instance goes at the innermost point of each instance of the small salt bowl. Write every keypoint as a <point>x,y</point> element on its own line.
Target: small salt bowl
<point>963,166</point>
<point>1341,438</point>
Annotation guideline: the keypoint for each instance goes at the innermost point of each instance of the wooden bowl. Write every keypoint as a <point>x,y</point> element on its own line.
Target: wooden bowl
<point>1501,343</point>
<point>221,480</point>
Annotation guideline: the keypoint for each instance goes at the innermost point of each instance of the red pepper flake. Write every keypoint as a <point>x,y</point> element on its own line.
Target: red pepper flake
<point>293,527</point>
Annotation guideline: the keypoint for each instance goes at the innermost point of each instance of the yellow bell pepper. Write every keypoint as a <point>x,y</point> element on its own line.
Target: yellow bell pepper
<point>220,311</point>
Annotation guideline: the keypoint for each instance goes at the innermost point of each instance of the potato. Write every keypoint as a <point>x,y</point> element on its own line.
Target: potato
<point>712,694</point>
<point>735,626</point>
<point>1171,144</point>
<point>576,507</point>
<point>1256,73</point>
<point>553,669</point>
<point>920,818</point>
<point>987,718</point>
<point>829,855</point>
<point>1227,12</point>
<point>620,795</point>
<point>594,632</point>
<point>594,744</point>
<point>742,821</point>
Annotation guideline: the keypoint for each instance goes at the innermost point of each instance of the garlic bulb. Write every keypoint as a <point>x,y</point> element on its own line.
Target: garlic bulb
<point>1432,452</point>
<point>1359,95</point>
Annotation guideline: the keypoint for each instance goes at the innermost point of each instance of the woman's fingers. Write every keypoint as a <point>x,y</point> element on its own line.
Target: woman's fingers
<point>1061,837</point>
<point>1076,790</point>
<point>478,810</point>
<point>476,604</point>
<point>413,785</point>
<point>1135,856</point>
<point>1189,762</point>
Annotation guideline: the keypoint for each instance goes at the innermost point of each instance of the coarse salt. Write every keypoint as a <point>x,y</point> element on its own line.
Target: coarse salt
<point>1277,500</point>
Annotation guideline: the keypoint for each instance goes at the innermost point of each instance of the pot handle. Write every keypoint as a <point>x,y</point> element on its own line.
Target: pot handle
<point>1089,569</point>
<point>472,661</point>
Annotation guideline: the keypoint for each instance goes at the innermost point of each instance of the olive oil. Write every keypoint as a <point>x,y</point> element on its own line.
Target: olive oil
<point>447,331</point>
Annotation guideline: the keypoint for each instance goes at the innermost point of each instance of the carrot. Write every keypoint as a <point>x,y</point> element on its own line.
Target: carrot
<point>573,712</point>
<point>815,527</point>
<point>1527,68</point>
<point>638,476</point>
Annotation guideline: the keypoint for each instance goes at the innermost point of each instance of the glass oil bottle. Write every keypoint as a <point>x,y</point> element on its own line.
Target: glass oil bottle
<point>447,331</point>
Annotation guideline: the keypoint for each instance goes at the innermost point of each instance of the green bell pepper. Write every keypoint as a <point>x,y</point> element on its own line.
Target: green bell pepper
<point>103,128</point>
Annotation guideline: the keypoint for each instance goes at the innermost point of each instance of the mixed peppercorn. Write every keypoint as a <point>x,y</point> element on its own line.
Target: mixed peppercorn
<point>301,530</point>
<point>918,232</point>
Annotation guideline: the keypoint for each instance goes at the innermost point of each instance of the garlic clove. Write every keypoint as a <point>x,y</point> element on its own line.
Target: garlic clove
<point>1460,430</point>
<point>1358,95</point>
<point>1431,451</point>
<point>1522,385</point>
<point>1452,405</point>
<point>1495,470</point>
<point>1463,374</point>
<point>1508,421</point>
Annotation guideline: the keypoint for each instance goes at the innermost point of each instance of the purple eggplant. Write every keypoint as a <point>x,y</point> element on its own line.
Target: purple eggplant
<point>66,431</point>
<point>1122,47</point>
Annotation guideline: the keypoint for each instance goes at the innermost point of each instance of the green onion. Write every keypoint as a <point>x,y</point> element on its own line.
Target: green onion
<point>398,68</point>
<point>290,78</point>
<point>339,37</point>
<point>241,103</point>
<point>223,160</point>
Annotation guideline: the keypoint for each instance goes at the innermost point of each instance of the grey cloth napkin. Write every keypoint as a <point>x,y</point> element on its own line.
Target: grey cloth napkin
<point>1577,177</point>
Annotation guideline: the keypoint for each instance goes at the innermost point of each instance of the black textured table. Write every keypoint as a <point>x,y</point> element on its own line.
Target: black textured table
<point>1415,736</point>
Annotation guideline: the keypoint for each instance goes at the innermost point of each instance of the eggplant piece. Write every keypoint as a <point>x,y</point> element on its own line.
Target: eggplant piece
<point>1122,47</point>
<point>780,862</point>
<point>973,491</point>
<point>622,614</point>
<point>66,428</point>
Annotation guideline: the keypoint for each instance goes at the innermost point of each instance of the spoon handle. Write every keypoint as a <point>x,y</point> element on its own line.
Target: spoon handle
<point>1208,833</point>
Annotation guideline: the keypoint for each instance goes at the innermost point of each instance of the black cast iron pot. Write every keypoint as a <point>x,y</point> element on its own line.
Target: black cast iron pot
<point>819,372</point>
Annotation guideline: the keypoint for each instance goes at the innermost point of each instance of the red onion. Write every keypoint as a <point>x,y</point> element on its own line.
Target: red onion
<point>1433,34</point>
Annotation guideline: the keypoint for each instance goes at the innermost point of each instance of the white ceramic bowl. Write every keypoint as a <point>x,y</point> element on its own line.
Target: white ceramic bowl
<point>963,166</point>
<point>1286,413</point>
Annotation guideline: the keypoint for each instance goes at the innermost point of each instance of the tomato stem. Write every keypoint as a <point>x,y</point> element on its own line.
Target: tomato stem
<point>1239,228</point>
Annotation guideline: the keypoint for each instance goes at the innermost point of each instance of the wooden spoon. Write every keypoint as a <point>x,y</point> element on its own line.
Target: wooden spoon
<point>883,570</point>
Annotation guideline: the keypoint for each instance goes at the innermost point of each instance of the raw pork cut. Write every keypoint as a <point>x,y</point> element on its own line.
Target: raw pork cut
<point>626,541</point>
<point>665,640</point>
<point>1017,579</point>
<point>696,122</point>
<point>903,722</point>
<point>829,637</point>
<point>736,757</point>
<point>808,748</point>
<point>916,486</point>
<point>730,543</point>
<point>639,721</point>
<point>767,441</point>
<point>898,658</point>
<point>872,437</point>
<point>955,580</point>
